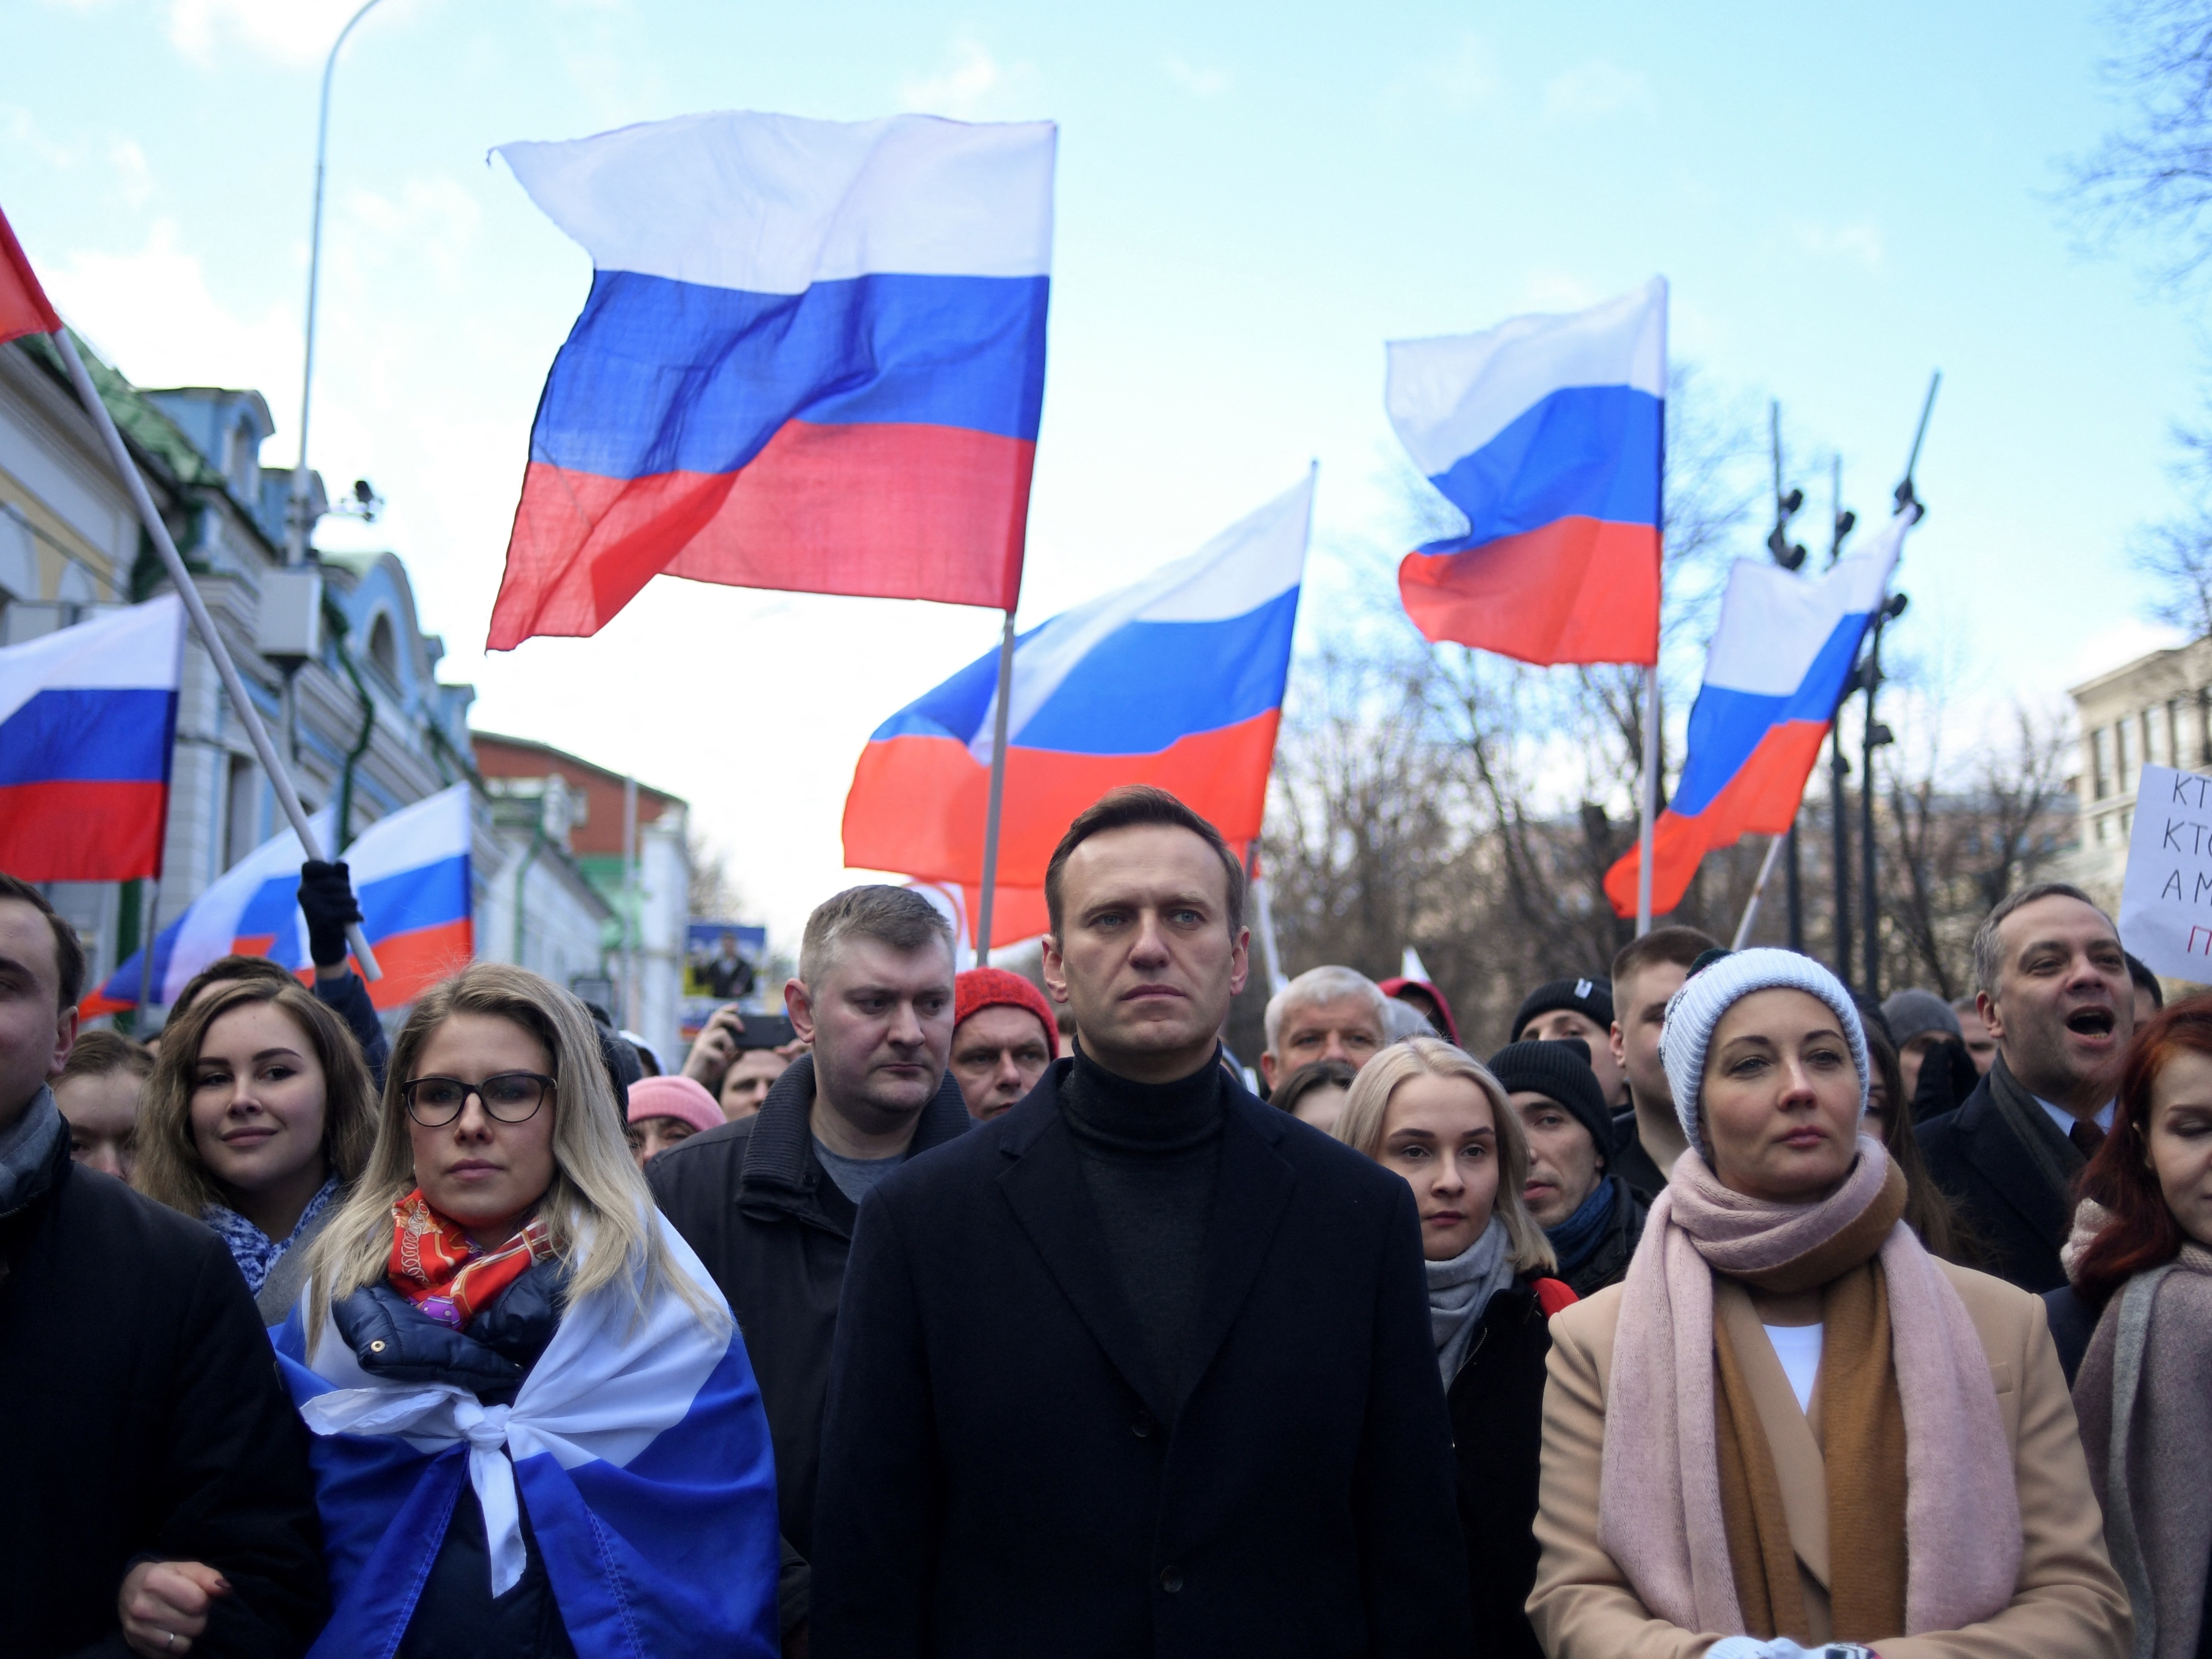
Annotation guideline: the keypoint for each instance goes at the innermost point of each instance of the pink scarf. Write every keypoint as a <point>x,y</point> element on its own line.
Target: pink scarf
<point>1659,1491</point>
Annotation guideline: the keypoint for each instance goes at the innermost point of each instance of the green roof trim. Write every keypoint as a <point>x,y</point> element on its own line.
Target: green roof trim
<point>140,421</point>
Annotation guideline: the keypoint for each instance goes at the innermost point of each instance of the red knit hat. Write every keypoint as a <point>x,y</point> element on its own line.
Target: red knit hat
<point>994,988</point>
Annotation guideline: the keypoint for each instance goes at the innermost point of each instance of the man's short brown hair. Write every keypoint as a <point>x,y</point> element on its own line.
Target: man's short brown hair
<point>1680,946</point>
<point>69,949</point>
<point>1136,804</point>
<point>896,916</point>
<point>1989,949</point>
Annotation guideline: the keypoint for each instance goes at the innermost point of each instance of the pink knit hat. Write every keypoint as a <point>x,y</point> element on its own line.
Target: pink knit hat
<point>680,1097</point>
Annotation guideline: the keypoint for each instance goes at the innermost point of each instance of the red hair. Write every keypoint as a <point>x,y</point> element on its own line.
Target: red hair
<point>2140,1232</point>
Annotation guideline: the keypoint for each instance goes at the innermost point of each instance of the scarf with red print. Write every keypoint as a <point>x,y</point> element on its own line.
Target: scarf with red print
<point>437,1266</point>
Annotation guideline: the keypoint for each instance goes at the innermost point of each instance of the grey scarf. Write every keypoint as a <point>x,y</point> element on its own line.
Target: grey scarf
<point>2142,1394</point>
<point>27,1152</point>
<point>1460,1289</point>
<point>2057,1158</point>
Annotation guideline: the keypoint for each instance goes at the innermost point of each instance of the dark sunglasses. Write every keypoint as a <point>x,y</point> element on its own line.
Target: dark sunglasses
<point>507,1097</point>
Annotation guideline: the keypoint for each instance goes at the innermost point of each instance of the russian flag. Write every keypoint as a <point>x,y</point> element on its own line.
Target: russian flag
<point>24,307</point>
<point>1548,433</point>
<point>1774,675</point>
<point>812,359</point>
<point>88,721</point>
<point>410,874</point>
<point>1176,681</point>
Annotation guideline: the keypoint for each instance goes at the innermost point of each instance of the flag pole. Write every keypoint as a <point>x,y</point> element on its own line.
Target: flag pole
<point>151,930</point>
<point>172,560</point>
<point>1751,908</point>
<point>997,793</point>
<point>1651,802</point>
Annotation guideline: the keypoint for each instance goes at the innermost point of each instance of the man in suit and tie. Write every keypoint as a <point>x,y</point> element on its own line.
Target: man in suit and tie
<point>2054,989</point>
<point>1140,1366</point>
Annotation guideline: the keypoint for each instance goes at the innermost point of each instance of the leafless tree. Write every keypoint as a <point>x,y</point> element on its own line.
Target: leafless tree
<point>2153,172</point>
<point>711,893</point>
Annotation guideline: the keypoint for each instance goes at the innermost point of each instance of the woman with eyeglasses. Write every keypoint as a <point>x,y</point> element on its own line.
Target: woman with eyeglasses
<point>537,1430</point>
<point>257,1117</point>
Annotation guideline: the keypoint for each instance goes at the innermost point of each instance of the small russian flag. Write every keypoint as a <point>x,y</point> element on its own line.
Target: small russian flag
<point>87,716</point>
<point>1548,433</point>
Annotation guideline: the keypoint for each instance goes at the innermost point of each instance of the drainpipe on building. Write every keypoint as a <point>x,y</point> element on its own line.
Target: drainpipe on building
<point>522,873</point>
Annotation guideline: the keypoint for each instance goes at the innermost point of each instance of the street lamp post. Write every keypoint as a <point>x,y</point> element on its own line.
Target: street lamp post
<point>295,544</point>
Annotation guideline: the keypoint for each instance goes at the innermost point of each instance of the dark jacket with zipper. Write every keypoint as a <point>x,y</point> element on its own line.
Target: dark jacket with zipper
<point>1004,1476</point>
<point>1497,1406</point>
<point>774,1231</point>
<point>141,1417</point>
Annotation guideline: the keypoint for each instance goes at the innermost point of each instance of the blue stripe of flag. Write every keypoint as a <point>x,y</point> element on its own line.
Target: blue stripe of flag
<point>1726,725</point>
<point>1586,452</point>
<point>78,736</point>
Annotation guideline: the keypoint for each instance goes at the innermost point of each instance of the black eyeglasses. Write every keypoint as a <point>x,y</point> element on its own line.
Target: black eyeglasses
<point>507,1097</point>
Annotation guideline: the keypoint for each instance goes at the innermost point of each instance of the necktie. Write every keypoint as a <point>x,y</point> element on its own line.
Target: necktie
<point>2085,1135</point>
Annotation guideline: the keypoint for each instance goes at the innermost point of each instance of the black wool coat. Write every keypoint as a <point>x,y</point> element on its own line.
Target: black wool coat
<point>774,1231</point>
<point>2019,1219</point>
<point>140,1415</point>
<point>996,1479</point>
<point>1497,1406</point>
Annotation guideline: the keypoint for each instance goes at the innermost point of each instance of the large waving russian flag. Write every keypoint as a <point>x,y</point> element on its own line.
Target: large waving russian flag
<point>88,721</point>
<point>812,358</point>
<point>1774,675</point>
<point>410,874</point>
<point>1176,681</point>
<point>1548,433</point>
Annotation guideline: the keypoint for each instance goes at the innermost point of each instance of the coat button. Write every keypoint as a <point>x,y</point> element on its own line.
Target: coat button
<point>1170,1580</point>
<point>1144,1425</point>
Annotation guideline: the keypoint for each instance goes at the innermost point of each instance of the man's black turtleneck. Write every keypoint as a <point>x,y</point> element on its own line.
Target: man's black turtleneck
<point>1150,1153</point>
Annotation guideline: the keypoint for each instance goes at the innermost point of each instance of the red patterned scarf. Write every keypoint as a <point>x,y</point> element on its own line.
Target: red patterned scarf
<point>435,1266</point>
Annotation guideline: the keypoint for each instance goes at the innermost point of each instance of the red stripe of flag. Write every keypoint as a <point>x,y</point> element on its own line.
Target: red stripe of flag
<point>24,308</point>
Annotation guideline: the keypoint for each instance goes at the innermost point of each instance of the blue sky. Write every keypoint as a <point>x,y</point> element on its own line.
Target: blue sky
<point>1251,199</point>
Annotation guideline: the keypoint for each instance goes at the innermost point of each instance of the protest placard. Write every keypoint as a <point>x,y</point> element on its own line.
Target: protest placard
<point>2165,902</point>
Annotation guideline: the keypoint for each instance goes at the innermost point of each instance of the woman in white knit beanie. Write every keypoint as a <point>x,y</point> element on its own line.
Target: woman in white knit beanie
<point>1792,1426</point>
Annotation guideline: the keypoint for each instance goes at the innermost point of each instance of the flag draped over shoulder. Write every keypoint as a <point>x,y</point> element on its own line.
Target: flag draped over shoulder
<point>1774,674</point>
<point>637,1445</point>
<point>1176,681</point>
<point>410,876</point>
<point>87,716</point>
<point>812,359</point>
<point>1548,432</point>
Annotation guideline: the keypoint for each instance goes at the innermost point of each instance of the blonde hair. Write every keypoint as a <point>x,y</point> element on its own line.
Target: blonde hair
<point>1361,1128</point>
<point>170,1169</point>
<point>598,1212</point>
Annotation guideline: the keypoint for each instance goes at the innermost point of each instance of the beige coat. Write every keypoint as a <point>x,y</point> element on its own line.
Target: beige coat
<point>2068,1604</point>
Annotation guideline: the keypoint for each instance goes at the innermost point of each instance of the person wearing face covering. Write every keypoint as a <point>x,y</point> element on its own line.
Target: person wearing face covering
<point>1791,1426</point>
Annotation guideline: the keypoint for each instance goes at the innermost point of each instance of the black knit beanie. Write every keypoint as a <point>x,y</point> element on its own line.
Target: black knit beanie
<point>1590,998</point>
<point>1558,1070</point>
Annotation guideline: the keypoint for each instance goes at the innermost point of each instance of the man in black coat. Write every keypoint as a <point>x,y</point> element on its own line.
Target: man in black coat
<point>155,1473</point>
<point>768,1201</point>
<point>1141,1366</point>
<point>2056,994</point>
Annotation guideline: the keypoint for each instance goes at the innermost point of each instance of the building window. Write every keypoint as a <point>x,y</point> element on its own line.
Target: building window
<point>2156,730</point>
<point>384,647</point>
<point>2100,762</point>
<point>242,812</point>
<point>2130,739</point>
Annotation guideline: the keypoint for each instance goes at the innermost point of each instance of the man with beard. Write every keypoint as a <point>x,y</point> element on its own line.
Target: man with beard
<point>2055,992</point>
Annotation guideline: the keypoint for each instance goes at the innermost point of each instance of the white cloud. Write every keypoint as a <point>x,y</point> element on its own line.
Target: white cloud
<point>1594,90</point>
<point>1860,243</point>
<point>152,312</point>
<point>134,176</point>
<point>288,31</point>
<point>436,219</point>
<point>1456,81</point>
<point>977,87</point>
<point>20,130</point>
<point>1204,81</point>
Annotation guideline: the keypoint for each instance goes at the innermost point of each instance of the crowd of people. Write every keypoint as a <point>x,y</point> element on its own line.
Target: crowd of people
<point>1713,1312</point>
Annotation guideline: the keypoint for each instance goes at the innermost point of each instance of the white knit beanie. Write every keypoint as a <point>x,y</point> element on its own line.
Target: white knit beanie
<point>1696,1009</point>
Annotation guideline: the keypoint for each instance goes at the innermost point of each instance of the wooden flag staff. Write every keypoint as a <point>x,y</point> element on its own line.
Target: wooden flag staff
<point>172,560</point>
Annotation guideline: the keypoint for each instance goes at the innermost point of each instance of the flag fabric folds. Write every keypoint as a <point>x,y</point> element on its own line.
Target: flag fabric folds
<point>1176,681</point>
<point>1548,432</point>
<point>812,358</point>
<point>410,874</point>
<point>87,716</point>
<point>1774,674</point>
<point>636,1445</point>
<point>24,308</point>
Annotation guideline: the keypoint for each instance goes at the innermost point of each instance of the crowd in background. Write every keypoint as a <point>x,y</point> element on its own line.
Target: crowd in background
<point>1712,1310</point>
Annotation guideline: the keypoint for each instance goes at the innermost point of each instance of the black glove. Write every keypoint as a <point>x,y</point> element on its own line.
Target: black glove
<point>1947,1077</point>
<point>327,901</point>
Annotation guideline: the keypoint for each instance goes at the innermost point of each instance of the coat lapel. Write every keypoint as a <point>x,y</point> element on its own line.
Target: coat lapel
<point>1250,1197</point>
<point>1044,1184</point>
<point>2014,1173</point>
